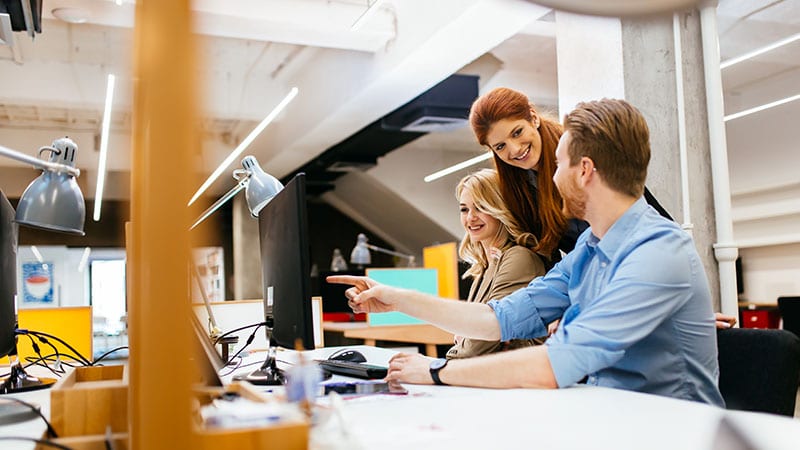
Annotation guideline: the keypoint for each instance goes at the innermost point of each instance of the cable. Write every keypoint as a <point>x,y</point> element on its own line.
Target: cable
<point>39,334</point>
<point>249,341</point>
<point>108,353</point>
<point>260,324</point>
<point>39,354</point>
<point>44,442</point>
<point>238,366</point>
<point>50,431</point>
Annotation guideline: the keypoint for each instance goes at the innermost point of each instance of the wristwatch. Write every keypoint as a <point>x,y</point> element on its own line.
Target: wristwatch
<point>436,366</point>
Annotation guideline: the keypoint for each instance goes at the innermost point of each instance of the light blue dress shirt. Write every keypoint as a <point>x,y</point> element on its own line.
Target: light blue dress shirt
<point>635,311</point>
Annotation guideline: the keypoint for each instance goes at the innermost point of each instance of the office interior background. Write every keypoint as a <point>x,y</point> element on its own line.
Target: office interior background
<point>362,178</point>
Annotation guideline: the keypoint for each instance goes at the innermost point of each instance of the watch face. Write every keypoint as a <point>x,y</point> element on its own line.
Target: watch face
<point>437,364</point>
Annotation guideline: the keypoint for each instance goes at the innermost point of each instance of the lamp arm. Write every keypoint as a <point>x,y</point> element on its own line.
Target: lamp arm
<point>214,327</point>
<point>38,163</point>
<point>390,252</point>
<point>222,200</point>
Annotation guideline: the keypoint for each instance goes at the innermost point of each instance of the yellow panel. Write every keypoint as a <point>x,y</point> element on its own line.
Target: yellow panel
<point>73,324</point>
<point>444,258</point>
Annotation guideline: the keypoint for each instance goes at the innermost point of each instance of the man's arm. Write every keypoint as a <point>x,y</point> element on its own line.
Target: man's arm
<point>524,368</point>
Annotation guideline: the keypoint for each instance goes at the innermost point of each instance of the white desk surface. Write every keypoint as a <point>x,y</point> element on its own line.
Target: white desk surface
<point>445,417</point>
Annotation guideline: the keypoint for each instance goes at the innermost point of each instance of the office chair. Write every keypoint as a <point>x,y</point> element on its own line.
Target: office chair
<point>789,308</point>
<point>759,369</point>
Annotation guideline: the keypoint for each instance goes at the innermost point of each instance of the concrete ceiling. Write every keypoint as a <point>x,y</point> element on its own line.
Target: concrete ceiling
<point>253,51</point>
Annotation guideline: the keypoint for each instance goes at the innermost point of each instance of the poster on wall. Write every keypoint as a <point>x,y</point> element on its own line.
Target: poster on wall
<point>37,284</point>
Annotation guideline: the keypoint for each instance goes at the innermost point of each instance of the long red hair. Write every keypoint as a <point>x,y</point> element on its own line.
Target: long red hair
<point>540,214</point>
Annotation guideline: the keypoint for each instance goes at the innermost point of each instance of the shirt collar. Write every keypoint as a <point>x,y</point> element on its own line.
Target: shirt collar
<point>620,230</point>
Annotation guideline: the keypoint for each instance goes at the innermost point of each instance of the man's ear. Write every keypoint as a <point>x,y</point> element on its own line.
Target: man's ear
<point>588,170</point>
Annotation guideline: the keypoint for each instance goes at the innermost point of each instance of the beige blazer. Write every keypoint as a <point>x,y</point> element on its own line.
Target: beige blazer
<point>516,267</point>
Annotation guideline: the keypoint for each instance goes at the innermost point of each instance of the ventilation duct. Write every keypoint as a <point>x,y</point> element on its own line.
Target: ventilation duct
<point>443,107</point>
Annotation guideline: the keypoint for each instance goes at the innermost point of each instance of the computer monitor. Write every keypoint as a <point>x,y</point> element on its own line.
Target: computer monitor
<point>286,274</point>
<point>18,380</point>
<point>285,265</point>
<point>8,277</point>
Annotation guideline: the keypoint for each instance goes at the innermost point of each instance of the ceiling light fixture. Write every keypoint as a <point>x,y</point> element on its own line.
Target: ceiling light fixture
<point>71,15</point>
<point>101,163</point>
<point>370,11</point>
<point>243,145</point>
<point>759,51</point>
<point>747,112</point>
<point>84,259</point>
<point>457,167</point>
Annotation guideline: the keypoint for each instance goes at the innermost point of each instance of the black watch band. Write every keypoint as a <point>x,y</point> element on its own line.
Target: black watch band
<point>435,367</point>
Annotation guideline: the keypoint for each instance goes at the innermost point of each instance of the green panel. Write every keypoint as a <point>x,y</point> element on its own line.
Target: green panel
<point>422,280</point>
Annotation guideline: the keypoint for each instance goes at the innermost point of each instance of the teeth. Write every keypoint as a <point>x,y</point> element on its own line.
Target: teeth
<point>522,156</point>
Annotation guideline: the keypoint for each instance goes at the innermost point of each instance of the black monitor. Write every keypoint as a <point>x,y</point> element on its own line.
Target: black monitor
<point>17,380</point>
<point>8,277</point>
<point>286,274</point>
<point>285,265</point>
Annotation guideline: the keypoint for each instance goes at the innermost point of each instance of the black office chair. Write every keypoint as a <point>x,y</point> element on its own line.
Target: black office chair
<point>759,369</point>
<point>789,307</point>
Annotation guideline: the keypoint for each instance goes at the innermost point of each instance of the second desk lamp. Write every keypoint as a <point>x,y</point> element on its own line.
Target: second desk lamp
<point>360,255</point>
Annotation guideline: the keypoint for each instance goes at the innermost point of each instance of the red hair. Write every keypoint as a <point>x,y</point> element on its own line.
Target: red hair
<point>540,214</point>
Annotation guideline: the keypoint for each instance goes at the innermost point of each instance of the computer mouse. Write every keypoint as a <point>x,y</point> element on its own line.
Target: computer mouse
<point>349,355</point>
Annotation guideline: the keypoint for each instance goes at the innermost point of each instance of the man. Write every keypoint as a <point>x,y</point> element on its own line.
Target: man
<point>632,297</point>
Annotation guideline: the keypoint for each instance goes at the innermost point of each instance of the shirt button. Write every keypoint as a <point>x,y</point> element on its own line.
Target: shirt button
<point>602,264</point>
<point>592,380</point>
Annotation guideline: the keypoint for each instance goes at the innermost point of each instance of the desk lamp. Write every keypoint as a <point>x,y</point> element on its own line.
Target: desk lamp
<point>53,201</point>
<point>259,188</point>
<point>360,255</point>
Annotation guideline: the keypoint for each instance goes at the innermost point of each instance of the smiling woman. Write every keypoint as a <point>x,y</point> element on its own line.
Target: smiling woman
<point>499,250</point>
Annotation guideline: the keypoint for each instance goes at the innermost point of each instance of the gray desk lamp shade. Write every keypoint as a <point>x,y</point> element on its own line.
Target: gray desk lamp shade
<point>261,187</point>
<point>53,201</point>
<point>360,254</point>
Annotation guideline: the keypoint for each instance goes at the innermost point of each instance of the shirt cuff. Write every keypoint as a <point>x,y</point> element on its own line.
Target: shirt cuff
<point>518,322</point>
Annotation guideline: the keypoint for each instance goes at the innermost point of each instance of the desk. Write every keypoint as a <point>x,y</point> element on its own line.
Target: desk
<point>447,417</point>
<point>425,334</point>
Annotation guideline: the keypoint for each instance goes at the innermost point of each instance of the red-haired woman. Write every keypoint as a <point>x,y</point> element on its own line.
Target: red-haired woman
<point>523,144</point>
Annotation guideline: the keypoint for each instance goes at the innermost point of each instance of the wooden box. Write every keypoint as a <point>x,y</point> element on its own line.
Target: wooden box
<point>286,435</point>
<point>94,442</point>
<point>89,399</point>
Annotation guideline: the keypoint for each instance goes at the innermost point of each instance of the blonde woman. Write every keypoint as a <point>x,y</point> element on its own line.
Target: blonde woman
<point>500,253</point>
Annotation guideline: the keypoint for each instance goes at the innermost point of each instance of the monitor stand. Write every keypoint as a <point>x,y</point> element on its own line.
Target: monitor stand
<point>268,374</point>
<point>19,381</point>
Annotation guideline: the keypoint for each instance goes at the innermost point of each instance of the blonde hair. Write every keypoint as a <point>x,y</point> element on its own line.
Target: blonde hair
<point>484,187</point>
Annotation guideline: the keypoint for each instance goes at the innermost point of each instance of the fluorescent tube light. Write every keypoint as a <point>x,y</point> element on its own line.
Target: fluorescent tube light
<point>457,167</point>
<point>37,254</point>
<point>371,9</point>
<point>759,51</point>
<point>244,144</point>
<point>84,259</point>
<point>101,162</point>
<point>747,112</point>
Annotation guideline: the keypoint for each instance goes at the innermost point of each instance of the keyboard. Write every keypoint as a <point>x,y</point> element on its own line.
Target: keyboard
<point>353,369</point>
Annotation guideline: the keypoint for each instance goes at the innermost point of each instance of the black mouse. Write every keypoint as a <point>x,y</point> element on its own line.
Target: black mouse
<point>349,355</point>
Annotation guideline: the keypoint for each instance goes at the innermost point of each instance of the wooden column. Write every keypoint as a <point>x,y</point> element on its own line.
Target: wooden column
<point>161,373</point>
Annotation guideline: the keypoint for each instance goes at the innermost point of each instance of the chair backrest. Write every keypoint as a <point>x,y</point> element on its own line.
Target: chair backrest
<point>759,369</point>
<point>789,308</point>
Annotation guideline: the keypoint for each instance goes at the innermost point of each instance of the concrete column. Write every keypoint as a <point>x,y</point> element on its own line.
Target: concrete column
<point>593,52</point>
<point>246,252</point>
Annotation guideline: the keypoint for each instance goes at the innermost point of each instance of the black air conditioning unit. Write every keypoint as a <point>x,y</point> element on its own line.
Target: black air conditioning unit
<point>444,107</point>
